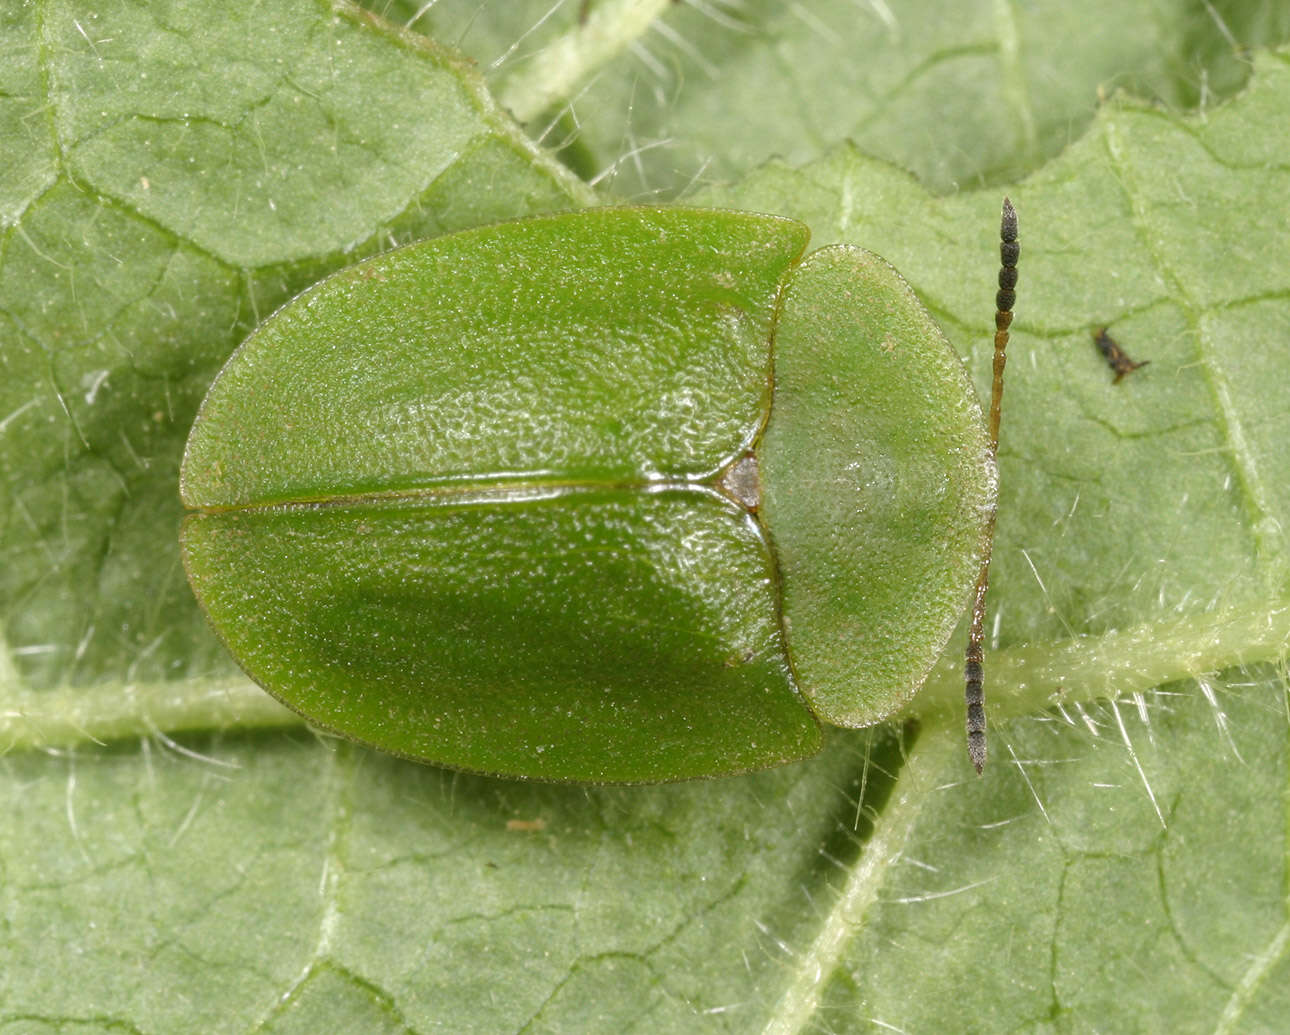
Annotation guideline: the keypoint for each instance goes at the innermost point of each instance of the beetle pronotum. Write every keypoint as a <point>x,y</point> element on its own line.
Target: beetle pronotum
<point>626,494</point>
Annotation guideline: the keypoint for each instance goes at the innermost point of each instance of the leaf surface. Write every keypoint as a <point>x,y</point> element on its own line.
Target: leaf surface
<point>956,93</point>
<point>1122,866</point>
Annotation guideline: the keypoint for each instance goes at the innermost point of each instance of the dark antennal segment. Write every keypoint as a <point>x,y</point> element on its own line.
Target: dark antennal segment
<point>974,691</point>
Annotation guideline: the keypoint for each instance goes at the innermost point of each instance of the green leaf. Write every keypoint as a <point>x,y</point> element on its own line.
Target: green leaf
<point>1121,866</point>
<point>956,93</point>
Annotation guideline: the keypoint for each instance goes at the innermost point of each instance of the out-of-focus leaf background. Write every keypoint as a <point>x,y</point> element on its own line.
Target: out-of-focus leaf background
<point>180,856</point>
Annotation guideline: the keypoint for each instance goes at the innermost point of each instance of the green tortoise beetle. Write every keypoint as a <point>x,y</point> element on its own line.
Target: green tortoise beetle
<point>624,494</point>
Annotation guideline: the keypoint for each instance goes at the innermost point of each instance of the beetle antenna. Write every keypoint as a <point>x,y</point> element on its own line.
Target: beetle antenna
<point>974,690</point>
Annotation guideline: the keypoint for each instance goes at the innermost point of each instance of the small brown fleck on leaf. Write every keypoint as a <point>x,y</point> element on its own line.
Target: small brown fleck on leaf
<point>1115,356</point>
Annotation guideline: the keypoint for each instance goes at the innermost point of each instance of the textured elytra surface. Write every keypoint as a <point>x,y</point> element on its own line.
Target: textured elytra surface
<point>594,636</point>
<point>451,502</point>
<point>1118,867</point>
<point>617,346</point>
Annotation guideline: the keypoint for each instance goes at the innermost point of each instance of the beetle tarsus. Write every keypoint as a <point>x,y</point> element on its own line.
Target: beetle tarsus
<point>974,674</point>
